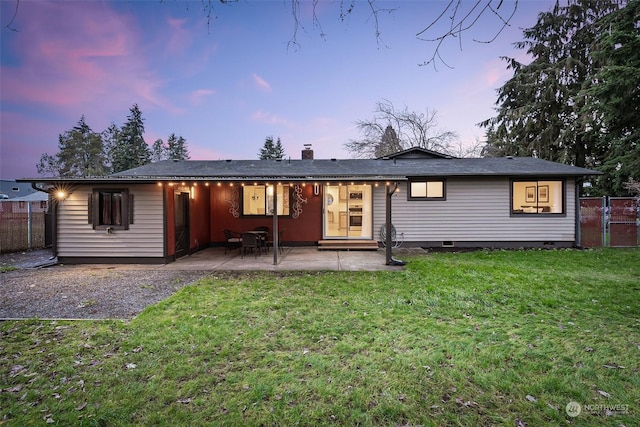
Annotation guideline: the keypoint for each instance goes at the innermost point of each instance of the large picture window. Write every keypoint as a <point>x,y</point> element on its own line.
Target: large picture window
<point>537,197</point>
<point>422,189</point>
<point>258,199</point>
<point>110,208</point>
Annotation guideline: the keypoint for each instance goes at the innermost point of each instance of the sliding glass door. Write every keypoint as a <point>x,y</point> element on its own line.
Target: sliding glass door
<point>347,211</point>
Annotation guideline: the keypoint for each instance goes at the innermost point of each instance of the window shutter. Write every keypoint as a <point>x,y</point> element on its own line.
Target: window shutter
<point>90,209</point>
<point>130,209</point>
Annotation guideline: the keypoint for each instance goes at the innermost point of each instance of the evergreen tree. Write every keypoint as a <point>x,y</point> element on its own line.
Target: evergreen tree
<point>564,105</point>
<point>131,150</point>
<point>615,98</point>
<point>177,148</point>
<point>81,154</point>
<point>389,143</point>
<point>270,150</point>
<point>158,151</point>
<point>174,149</point>
<point>110,137</point>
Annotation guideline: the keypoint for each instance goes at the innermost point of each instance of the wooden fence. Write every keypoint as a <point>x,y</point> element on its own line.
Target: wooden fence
<point>609,221</point>
<point>22,225</point>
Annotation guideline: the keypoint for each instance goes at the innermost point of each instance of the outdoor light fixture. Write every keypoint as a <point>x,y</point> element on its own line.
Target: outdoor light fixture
<point>61,192</point>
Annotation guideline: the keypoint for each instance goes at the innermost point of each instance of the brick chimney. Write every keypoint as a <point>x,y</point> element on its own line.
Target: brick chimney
<point>307,153</point>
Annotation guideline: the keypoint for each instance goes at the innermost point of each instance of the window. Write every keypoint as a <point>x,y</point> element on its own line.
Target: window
<point>111,208</point>
<point>537,197</point>
<point>420,189</point>
<point>258,199</point>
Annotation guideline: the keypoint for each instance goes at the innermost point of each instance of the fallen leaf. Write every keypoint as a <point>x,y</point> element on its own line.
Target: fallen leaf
<point>137,349</point>
<point>131,366</point>
<point>467,404</point>
<point>81,406</point>
<point>185,401</point>
<point>604,393</point>
<point>589,350</point>
<point>613,366</point>
<point>14,389</point>
<point>531,398</point>
<point>15,370</point>
<point>520,423</point>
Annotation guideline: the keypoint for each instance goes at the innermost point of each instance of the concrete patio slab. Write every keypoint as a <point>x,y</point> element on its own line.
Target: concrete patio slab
<point>291,259</point>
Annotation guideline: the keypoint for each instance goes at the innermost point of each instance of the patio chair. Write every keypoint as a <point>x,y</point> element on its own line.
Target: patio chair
<point>250,241</point>
<point>280,236</point>
<point>264,238</point>
<point>233,240</point>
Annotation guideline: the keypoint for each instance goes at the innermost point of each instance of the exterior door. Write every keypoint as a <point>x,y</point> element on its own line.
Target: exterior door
<point>347,212</point>
<point>182,223</point>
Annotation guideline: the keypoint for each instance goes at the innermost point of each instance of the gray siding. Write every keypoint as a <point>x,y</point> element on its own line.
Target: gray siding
<point>144,238</point>
<point>475,210</point>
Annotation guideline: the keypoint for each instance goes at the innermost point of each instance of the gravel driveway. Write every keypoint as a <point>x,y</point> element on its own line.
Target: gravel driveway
<point>83,291</point>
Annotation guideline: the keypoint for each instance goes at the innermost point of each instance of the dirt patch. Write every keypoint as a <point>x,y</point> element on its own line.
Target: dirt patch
<point>83,291</point>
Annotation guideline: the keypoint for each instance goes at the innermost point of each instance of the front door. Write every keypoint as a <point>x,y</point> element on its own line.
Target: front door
<point>182,223</point>
<point>347,212</point>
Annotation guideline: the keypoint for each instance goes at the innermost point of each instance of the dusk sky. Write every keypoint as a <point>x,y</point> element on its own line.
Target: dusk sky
<point>227,86</point>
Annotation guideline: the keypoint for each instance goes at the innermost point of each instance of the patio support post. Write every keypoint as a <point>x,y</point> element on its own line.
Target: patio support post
<point>389,255</point>
<point>276,243</point>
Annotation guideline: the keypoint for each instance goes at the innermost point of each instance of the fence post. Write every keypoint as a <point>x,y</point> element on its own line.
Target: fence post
<point>605,221</point>
<point>29,226</point>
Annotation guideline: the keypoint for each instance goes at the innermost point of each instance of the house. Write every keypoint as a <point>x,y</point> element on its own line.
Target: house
<point>10,189</point>
<point>161,211</point>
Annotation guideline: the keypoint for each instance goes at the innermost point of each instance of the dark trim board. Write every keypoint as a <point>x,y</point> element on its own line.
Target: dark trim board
<point>115,260</point>
<point>452,245</point>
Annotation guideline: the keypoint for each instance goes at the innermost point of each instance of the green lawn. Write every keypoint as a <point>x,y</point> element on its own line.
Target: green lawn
<point>478,338</point>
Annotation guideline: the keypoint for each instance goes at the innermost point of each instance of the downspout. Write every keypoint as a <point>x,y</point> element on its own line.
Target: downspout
<point>578,234</point>
<point>54,219</point>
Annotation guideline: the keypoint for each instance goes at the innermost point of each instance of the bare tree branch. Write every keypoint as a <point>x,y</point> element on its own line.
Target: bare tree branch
<point>459,25</point>
<point>410,129</point>
<point>13,18</point>
<point>459,21</point>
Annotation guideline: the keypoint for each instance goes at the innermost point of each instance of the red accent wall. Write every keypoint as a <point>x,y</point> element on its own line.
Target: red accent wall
<point>200,235</point>
<point>306,228</point>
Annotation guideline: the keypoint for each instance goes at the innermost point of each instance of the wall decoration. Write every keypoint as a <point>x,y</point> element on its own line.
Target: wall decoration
<point>298,200</point>
<point>543,194</point>
<point>234,210</point>
<point>530,194</point>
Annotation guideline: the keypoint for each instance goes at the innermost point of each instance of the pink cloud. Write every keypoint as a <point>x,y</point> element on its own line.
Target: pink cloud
<point>269,118</point>
<point>179,37</point>
<point>261,83</point>
<point>92,55</point>
<point>198,96</point>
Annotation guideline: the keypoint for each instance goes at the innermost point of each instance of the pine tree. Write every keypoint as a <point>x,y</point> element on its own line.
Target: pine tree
<point>131,150</point>
<point>270,150</point>
<point>545,108</point>
<point>174,149</point>
<point>81,154</point>
<point>158,151</point>
<point>389,143</point>
<point>177,148</point>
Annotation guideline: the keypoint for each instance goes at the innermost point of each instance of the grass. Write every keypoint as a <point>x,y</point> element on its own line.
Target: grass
<point>481,338</point>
